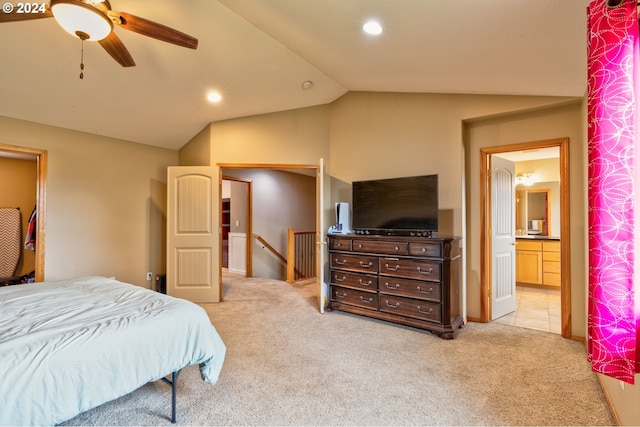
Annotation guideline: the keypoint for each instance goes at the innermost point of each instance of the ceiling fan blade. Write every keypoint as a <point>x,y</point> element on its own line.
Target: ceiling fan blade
<point>154,30</point>
<point>14,16</point>
<point>114,47</point>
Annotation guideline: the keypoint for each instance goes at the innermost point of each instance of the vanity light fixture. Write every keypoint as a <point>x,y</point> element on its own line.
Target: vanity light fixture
<point>526,179</point>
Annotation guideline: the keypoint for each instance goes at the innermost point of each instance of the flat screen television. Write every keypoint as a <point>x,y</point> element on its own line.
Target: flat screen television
<point>396,206</point>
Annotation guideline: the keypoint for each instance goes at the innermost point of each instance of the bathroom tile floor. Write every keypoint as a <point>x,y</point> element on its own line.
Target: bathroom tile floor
<point>536,308</point>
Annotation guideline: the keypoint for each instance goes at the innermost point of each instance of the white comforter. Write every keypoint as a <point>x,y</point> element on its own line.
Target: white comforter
<point>68,346</point>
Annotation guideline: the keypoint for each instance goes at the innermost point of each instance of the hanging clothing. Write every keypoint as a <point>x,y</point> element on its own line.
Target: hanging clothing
<point>30,238</point>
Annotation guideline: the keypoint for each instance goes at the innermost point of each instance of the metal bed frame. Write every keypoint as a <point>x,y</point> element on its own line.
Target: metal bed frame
<point>172,383</point>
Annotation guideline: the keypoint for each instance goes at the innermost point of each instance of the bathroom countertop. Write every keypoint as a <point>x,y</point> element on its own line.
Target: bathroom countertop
<point>534,237</point>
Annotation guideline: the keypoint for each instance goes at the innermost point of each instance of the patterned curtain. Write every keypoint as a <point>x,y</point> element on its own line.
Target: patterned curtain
<point>612,123</point>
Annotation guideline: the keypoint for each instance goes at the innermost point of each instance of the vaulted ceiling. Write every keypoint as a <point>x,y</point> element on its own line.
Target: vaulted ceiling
<point>258,54</point>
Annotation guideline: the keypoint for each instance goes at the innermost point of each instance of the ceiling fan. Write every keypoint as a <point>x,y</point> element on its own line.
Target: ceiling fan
<point>95,20</point>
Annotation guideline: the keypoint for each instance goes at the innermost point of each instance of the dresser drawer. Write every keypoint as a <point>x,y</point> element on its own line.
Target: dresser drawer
<point>551,279</point>
<point>550,266</point>
<point>410,288</point>
<point>391,248</point>
<point>362,263</point>
<point>409,307</point>
<point>528,245</point>
<point>551,246</point>
<point>412,269</point>
<point>354,297</point>
<point>339,244</point>
<point>425,249</point>
<point>354,280</point>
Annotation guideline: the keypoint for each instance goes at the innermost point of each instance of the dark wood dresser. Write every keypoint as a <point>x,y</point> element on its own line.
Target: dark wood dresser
<point>413,281</point>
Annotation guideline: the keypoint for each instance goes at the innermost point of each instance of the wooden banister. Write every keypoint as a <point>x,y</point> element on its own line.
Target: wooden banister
<point>271,248</point>
<point>292,271</point>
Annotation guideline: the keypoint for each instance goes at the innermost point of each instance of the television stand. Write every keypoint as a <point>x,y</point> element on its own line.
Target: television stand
<point>409,280</point>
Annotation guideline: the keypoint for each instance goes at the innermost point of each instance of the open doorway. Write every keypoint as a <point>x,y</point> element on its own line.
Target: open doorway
<point>273,203</point>
<point>530,229</point>
<point>39,157</point>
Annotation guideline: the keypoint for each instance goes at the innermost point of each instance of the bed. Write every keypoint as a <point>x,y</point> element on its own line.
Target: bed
<point>69,346</point>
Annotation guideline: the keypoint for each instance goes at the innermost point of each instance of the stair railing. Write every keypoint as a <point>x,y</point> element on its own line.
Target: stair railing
<point>300,259</point>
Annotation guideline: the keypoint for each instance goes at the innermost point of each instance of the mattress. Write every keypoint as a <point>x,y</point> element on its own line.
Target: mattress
<point>68,346</point>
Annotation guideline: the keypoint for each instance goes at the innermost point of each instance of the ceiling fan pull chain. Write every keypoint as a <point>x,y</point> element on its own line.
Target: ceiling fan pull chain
<point>81,59</point>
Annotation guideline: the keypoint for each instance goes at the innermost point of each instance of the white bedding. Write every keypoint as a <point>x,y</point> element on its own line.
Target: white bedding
<point>68,346</point>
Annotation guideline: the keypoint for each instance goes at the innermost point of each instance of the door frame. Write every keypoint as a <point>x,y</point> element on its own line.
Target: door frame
<point>41,198</point>
<point>249,217</point>
<point>485,221</point>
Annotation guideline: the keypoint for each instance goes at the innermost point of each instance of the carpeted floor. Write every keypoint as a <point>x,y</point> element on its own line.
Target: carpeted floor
<point>287,364</point>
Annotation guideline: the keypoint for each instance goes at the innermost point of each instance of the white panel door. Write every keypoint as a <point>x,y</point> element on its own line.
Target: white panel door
<point>503,238</point>
<point>321,242</point>
<point>192,233</point>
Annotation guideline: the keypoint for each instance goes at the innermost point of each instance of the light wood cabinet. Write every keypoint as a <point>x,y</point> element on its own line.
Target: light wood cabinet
<point>551,263</point>
<point>538,262</point>
<point>529,262</point>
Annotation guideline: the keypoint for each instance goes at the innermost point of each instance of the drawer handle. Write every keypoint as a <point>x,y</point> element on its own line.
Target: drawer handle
<point>425,312</point>
<point>368,301</point>
<point>396,305</point>
<point>366,265</point>
<point>391,268</point>
<point>363,283</point>
<point>397,248</point>
<point>338,279</point>
<point>341,296</point>
<point>425,292</point>
<point>341,262</point>
<point>359,246</point>
<point>425,272</point>
<point>389,286</point>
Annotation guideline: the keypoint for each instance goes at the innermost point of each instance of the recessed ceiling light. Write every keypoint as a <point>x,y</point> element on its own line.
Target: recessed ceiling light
<point>214,97</point>
<point>372,27</point>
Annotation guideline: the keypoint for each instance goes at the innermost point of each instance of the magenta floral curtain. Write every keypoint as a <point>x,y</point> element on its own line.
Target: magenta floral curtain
<point>612,128</point>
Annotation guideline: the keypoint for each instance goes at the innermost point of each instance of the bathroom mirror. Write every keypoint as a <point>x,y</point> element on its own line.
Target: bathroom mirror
<point>533,212</point>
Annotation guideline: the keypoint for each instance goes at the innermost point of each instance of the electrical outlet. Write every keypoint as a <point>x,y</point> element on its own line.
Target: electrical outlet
<point>149,275</point>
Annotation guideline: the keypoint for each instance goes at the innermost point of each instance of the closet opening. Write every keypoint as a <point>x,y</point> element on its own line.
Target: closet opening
<point>9,153</point>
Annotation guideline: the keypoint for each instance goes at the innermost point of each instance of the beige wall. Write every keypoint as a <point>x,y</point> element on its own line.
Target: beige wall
<point>18,187</point>
<point>105,202</point>
<point>381,135</point>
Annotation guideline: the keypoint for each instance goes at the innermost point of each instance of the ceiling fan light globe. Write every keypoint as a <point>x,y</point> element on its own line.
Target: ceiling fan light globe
<point>76,17</point>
